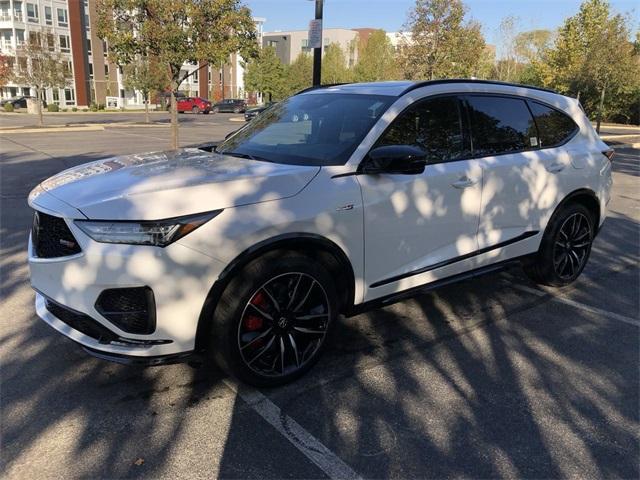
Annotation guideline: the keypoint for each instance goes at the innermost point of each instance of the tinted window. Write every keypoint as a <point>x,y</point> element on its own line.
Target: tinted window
<point>554,127</point>
<point>501,125</point>
<point>433,125</point>
<point>312,129</point>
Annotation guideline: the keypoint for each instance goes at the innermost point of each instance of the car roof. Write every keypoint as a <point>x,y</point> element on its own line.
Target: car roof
<point>399,88</point>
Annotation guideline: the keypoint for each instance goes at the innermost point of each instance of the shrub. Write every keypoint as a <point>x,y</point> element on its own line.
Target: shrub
<point>101,106</point>
<point>93,107</point>
<point>52,107</point>
<point>74,109</point>
<point>85,109</point>
<point>63,110</point>
<point>8,107</point>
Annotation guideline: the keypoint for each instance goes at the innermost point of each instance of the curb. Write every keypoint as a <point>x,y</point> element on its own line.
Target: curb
<point>625,145</point>
<point>237,119</point>
<point>86,128</point>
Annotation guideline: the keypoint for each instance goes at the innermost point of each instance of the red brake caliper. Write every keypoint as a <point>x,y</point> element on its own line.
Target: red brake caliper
<point>252,322</point>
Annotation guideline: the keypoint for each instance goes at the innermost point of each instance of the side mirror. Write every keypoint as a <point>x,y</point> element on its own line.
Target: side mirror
<point>398,159</point>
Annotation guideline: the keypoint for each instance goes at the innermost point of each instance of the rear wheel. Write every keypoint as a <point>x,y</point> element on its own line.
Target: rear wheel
<point>565,247</point>
<point>215,110</point>
<point>236,110</point>
<point>272,321</point>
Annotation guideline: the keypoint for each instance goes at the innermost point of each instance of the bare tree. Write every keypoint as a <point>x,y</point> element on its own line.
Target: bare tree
<point>41,66</point>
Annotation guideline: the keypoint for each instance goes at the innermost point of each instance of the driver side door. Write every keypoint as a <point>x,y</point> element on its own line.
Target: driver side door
<point>417,226</point>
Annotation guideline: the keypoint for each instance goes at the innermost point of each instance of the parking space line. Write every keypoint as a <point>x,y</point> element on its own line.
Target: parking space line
<point>300,438</point>
<point>578,305</point>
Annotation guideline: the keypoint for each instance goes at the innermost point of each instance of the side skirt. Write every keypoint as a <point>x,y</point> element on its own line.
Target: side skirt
<point>403,295</point>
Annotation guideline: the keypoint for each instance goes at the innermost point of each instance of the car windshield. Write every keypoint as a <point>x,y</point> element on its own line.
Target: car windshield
<point>313,129</point>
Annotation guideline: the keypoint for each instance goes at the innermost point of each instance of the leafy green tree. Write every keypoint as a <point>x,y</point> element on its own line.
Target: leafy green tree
<point>334,65</point>
<point>593,59</point>
<point>376,59</point>
<point>299,74</point>
<point>442,43</point>
<point>173,32</point>
<point>41,67</point>
<point>266,74</point>
<point>145,76</point>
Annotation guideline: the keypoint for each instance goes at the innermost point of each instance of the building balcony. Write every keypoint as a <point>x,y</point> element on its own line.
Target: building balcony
<point>8,20</point>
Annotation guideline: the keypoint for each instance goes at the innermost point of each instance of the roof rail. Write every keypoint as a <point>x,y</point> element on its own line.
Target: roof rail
<point>471,80</point>
<point>317,87</point>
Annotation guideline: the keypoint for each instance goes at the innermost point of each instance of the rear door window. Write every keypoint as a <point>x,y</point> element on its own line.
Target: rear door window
<point>500,125</point>
<point>554,127</point>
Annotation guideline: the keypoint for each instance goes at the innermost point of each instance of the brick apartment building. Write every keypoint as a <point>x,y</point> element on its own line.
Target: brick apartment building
<point>71,25</point>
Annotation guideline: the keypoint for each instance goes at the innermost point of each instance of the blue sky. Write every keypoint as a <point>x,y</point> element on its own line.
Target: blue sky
<point>391,14</point>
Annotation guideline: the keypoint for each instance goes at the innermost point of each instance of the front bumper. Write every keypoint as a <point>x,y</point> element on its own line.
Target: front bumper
<point>179,277</point>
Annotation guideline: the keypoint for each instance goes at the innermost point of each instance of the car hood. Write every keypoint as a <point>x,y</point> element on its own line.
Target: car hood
<point>169,184</point>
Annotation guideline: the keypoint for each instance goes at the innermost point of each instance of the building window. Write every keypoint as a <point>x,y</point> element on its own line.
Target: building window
<point>56,96</point>
<point>48,15</point>
<point>64,43</point>
<point>19,37</point>
<point>88,46</point>
<point>34,38</point>
<point>63,20</point>
<point>32,12</point>
<point>195,76</point>
<point>272,43</point>
<point>105,47</point>
<point>5,10</point>
<point>6,39</point>
<point>90,70</point>
<point>69,95</point>
<point>51,42</point>
<point>17,10</point>
<point>106,70</point>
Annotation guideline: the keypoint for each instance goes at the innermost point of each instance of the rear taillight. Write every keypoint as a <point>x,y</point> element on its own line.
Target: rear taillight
<point>609,154</point>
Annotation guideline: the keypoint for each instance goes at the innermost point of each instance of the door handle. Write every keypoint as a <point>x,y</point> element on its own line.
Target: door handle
<point>556,167</point>
<point>464,182</point>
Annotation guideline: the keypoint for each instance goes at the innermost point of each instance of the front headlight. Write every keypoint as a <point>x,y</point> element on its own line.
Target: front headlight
<point>159,233</point>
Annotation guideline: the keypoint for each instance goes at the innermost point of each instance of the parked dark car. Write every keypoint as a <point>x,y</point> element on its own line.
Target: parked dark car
<point>235,105</point>
<point>253,112</point>
<point>19,102</point>
<point>194,105</point>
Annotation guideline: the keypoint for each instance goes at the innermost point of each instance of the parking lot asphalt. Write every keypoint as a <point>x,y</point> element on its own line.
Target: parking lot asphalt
<point>492,377</point>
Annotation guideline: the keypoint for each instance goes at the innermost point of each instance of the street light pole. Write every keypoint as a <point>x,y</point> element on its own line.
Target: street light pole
<point>317,52</point>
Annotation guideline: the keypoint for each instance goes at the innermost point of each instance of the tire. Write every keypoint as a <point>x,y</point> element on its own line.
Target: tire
<point>565,247</point>
<point>215,110</point>
<point>206,112</point>
<point>236,110</point>
<point>195,109</point>
<point>272,321</point>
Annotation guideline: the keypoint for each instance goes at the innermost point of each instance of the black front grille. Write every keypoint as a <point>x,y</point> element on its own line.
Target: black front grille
<point>81,322</point>
<point>51,237</point>
<point>132,310</point>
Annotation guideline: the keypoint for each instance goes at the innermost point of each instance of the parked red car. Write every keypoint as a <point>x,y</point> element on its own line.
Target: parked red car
<point>194,105</point>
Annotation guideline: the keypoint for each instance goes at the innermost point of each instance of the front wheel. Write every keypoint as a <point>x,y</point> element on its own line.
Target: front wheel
<point>195,110</point>
<point>272,321</point>
<point>565,247</point>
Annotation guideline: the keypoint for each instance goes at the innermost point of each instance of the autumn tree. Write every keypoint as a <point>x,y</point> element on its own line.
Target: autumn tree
<point>266,74</point>
<point>334,65</point>
<point>6,69</point>
<point>147,77</point>
<point>376,59</point>
<point>442,43</point>
<point>204,32</point>
<point>593,59</point>
<point>41,66</point>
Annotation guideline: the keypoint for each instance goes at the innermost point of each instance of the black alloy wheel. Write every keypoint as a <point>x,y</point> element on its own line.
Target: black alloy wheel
<point>572,245</point>
<point>283,324</point>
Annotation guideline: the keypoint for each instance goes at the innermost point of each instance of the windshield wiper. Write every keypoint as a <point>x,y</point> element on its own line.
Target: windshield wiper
<point>245,155</point>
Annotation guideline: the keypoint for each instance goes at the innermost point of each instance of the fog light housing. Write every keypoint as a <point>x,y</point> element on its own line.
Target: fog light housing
<point>132,310</point>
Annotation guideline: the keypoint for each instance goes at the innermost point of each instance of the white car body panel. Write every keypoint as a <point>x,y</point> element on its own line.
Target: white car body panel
<point>387,226</point>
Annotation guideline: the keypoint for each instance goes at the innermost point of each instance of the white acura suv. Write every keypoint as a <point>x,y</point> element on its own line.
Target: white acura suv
<point>335,200</point>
